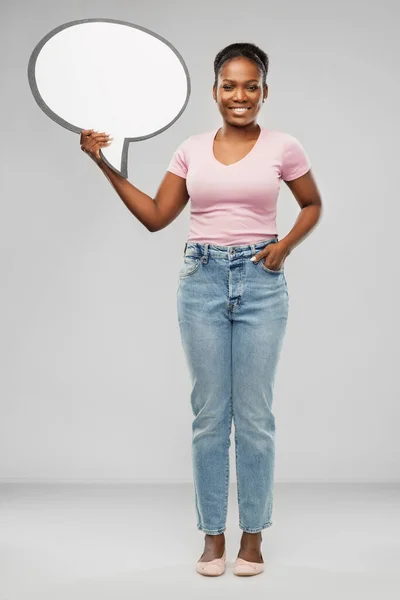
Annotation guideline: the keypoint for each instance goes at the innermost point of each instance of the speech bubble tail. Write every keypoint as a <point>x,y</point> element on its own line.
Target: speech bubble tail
<point>115,155</point>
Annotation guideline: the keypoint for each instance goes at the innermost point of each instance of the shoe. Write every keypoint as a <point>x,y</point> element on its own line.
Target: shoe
<point>212,568</point>
<point>245,567</point>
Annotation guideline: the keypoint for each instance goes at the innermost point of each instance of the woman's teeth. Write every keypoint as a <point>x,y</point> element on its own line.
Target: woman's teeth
<point>239,110</point>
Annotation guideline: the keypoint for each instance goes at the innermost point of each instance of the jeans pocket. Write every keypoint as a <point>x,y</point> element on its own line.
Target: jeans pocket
<point>190,266</point>
<point>281,270</point>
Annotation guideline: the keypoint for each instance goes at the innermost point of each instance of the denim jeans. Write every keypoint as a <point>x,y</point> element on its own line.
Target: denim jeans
<point>232,316</point>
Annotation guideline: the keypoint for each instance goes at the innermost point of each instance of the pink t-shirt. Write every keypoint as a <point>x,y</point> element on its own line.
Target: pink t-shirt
<point>236,204</point>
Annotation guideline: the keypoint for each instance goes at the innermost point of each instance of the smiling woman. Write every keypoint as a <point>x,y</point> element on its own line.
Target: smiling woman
<point>232,304</point>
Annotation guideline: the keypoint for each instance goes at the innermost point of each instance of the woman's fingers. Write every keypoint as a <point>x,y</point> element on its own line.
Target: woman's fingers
<point>90,134</point>
<point>85,133</point>
<point>92,141</point>
<point>96,139</point>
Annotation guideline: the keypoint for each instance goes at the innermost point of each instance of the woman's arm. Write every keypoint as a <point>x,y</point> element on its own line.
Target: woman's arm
<point>306,193</point>
<point>170,200</point>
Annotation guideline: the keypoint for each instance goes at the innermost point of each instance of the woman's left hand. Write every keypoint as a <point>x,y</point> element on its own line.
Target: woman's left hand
<point>274,255</point>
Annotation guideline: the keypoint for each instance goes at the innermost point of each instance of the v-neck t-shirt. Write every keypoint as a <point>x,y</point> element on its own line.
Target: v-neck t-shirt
<point>236,204</point>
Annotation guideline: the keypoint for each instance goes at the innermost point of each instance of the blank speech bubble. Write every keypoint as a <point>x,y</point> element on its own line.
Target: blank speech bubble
<point>110,76</point>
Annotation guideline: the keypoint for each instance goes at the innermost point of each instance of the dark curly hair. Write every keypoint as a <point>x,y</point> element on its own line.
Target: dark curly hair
<point>247,50</point>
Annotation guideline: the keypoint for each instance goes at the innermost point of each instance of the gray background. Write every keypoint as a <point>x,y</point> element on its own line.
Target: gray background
<point>94,385</point>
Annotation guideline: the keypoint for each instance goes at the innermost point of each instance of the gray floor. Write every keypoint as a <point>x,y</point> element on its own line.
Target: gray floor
<point>140,541</point>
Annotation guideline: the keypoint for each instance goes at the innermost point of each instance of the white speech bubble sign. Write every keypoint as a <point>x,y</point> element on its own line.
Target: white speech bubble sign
<point>111,76</point>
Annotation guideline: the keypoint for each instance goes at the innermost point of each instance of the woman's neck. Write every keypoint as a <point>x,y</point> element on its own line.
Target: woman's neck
<point>234,134</point>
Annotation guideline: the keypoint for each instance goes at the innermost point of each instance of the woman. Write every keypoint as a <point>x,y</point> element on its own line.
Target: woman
<point>232,298</point>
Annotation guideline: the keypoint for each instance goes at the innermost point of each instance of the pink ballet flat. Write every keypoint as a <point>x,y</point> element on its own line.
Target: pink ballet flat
<point>212,568</point>
<point>245,567</point>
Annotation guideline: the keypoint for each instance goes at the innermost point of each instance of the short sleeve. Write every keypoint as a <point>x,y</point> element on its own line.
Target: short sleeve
<point>179,161</point>
<point>295,161</point>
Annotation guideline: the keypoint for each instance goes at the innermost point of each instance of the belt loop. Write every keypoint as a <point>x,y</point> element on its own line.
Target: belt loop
<point>253,249</point>
<point>205,257</point>
<point>184,250</point>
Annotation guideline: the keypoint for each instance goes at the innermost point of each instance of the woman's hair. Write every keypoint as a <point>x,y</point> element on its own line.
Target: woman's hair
<point>247,50</point>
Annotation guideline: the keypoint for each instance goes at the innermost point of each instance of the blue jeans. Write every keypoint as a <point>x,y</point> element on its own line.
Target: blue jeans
<point>232,316</point>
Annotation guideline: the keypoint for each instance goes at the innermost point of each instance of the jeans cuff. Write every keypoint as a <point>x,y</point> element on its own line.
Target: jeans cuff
<point>257,530</point>
<point>211,531</point>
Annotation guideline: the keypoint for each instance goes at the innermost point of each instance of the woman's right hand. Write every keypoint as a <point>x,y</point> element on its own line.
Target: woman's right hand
<point>91,141</point>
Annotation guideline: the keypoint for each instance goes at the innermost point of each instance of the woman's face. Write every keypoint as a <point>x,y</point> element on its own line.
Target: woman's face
<point>239,85</point>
